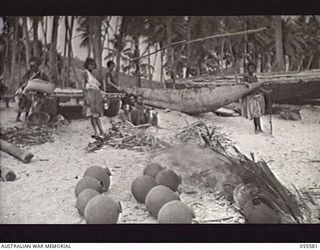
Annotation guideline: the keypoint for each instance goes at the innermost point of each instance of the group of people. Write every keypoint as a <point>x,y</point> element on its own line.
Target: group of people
<point>132,106</point>
<point>27,101</point>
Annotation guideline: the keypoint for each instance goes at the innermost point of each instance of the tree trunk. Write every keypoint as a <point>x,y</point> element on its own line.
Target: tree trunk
<point>95,26</point>
<point>155,60</point>
<point>19,153</point>
<point>277,25</point>
<point>119,45</point>
<point>161,63</point>
<point>70,52</point>
<point>136,55</point>
<point>6,60</point>
<point>53,56</point>
<point>65,52</point>
<point>188,70</point>
<point>35,25</point>
<point>26,41</point>
<point>309,63</point>
<point>149,63</point>
<point>44,25</point>
<point>14,51</point>
<point>245,46</point>
<point>170,50</point>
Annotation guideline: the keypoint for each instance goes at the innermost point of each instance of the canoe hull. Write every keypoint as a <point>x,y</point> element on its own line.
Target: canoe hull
<point>40,86</point>
<point>193,101</point>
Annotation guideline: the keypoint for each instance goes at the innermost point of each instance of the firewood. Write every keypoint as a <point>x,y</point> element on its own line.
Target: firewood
<point>16,152</point>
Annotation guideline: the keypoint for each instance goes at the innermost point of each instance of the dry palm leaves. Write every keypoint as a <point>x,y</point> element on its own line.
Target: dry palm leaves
<point>128,136</point>
<point>27,136</point>
<point>227,165</point>
<point>204,132</point>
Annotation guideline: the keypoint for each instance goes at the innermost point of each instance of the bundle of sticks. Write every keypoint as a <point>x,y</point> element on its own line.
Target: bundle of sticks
<point>206,133</point>
<point>26,136</point>
<point>128,136</point>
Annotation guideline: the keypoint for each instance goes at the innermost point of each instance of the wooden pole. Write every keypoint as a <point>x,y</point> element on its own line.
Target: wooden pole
<point>203,39</point>
<point>15,151</point>
<point>270,114</point>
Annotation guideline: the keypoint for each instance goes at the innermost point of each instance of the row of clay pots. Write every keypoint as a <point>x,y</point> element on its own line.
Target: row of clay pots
<point>157,189</point>
<point>92,201</point>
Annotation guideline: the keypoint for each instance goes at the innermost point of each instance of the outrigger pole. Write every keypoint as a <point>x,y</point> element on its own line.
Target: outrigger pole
<point>202,39</point>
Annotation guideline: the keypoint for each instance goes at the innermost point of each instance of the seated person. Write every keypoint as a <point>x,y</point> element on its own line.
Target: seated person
<point>139,114</point>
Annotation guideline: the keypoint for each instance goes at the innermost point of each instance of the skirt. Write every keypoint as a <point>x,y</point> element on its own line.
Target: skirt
<point>94,103</point>
<point>253,106</point>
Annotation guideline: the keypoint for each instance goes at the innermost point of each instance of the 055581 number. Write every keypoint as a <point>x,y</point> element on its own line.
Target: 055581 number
<point>308,246</point>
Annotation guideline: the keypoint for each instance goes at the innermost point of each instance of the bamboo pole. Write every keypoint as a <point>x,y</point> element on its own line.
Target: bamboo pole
<point>203,39</point>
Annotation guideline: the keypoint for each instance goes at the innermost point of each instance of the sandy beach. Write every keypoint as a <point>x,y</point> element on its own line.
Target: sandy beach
<point>44,190</point>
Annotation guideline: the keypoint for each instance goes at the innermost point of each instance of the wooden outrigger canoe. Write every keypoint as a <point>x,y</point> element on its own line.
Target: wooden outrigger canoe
<point>288,87</point>
<point>205,94</point>
<point>193,101</point>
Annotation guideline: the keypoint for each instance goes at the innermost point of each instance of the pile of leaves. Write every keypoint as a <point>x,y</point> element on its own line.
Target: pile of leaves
<point>128,136</point>
<point>27,136</point>
<point>204,133</point>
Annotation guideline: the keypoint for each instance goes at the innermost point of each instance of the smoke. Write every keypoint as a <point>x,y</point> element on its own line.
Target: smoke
<point>205,165</point>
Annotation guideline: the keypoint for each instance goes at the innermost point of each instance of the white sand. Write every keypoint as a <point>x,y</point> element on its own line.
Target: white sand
<point>44,191</point>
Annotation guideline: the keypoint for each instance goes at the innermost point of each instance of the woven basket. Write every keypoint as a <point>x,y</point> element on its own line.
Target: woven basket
<point>38,118</point>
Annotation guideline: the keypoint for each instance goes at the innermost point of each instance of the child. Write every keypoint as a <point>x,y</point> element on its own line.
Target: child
<point>253,105</point>
<point>93,98</point>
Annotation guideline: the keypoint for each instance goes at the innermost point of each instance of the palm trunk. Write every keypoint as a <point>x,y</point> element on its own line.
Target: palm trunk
<point>7,52</point>
<point>53,57</point>
<point>310,62</point>
<point>277,24</point>
<point>188,70</point>
<point>121,35</point>
<point>115,30</point>
<point>35,25</point>
<point>155,61</point>
<point>136,55</point>
<point>70,52</point>
<point>245,45</point>
<point>149,62</point>
<point>65,52</point>
<point>44,25</point>
<point>96,23</point>
<point>161,62</point>
<point>14,51</point>
<point>170,50</point>
<point>26,41</point>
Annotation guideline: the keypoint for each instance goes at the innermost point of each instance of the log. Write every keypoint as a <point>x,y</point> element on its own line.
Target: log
<point>16,152</point>
<point>7,174</point>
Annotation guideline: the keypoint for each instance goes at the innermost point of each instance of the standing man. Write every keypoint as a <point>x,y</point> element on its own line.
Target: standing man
<point>25,100</point>
<point>109,83</point>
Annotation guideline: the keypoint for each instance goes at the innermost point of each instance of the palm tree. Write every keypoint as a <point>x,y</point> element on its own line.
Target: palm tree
<point>277,24</point>
<point>15,26</point>
<point>53,55</point>
<point>26,40</point>
<point>36,43</point>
